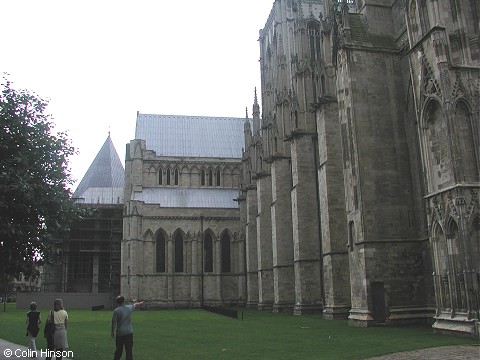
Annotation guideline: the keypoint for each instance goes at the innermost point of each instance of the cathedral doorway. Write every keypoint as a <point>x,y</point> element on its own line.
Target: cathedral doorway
<point>378,302</point>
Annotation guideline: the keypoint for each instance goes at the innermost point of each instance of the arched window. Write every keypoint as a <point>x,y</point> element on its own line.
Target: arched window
<point>218,177</point>
<point>412,15</point>
<point>456,253</point>
<point>441,266</point>
<point>440,251</point>
<point>202,180</point>
<point>178,252</point>
<point>160,176</point>
<point>457,257</point>
<point>436,139</point>
<point>208,253</point>
<point>210,177</point>
<point>225,251</point>
<point>176,177</point>
<point>160,253</point>
<point>351,235</point>
<point>168,176</point>
<point>465,144</point>
<point>313,30</point>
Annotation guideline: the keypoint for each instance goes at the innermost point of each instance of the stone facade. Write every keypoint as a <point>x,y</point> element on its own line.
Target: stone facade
<point>366,152</point>
<point>182,246</point>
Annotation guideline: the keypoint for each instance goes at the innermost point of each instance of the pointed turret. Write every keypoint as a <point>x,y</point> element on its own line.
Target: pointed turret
<point>104,180</point>
<point>247,131</point>
<point>256,115</point>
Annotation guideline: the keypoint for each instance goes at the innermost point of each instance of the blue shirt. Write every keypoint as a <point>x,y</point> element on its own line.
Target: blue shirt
<point>122,316</point>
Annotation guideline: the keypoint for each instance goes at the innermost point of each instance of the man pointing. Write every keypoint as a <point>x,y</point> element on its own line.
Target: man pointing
<point>122,329</point>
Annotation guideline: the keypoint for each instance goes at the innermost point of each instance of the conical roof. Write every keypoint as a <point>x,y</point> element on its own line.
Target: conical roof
<point>104,180</point>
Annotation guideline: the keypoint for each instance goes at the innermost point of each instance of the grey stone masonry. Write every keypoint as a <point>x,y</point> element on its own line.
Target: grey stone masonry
<point>251,247</point>
<point>282,237</point>
<point>264,242</point>
<point>306,236</point>
<point>333,217</point>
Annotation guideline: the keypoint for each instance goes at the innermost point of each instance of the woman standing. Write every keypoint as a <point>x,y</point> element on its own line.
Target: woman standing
<point>33,320</point>
<point>60,319</point>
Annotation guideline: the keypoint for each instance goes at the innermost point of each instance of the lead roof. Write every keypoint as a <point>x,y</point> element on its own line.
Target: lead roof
<point>104,180</point>
<point>191,136</point>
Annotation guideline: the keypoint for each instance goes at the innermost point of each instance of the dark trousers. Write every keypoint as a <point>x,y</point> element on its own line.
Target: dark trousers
<point>121,341</point>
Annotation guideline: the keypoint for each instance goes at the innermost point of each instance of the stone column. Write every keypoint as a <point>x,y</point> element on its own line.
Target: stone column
<point>251,247</point>
<point>264,242</point>
<point>218,269</point>
<point>170,272</point>
<point>306,237</point>
<point>282,238</point>
<point>194,275</point>
<point>333,216</point>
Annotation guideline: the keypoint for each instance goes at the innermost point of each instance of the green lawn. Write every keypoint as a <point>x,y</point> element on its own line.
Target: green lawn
<point>198,334</point>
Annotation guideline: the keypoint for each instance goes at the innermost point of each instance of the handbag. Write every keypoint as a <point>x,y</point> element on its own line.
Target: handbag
<point>49,326</point>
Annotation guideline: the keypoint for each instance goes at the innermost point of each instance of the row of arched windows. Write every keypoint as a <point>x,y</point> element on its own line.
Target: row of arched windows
<point>178,255</point>
<point>208,177</point>
<point>168,177</point>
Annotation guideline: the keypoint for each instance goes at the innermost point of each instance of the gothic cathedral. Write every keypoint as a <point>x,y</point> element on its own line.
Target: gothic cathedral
<point>352,192</point>
<point>360,186</point>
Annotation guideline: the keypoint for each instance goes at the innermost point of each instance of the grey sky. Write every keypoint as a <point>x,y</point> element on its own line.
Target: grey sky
<point>98,62</point>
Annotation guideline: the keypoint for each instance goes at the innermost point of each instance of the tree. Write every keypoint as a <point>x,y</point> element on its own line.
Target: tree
<point>35,200</point>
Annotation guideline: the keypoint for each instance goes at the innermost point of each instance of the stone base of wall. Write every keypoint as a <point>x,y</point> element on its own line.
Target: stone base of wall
<point>307,309</point>
<point>336,312</point>
<point>457,326</point>
<point>70,300</point>
<point>265,306</point>
<point>282,308</point>
<point>411,315</point>
<point>360,318</point>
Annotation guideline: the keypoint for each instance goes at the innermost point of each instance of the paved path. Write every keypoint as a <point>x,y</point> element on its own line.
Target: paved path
<point>458,352</point>
<point>9,350</point>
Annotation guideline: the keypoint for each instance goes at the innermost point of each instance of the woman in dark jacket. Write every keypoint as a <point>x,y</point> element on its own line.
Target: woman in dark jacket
<point>33,320</point>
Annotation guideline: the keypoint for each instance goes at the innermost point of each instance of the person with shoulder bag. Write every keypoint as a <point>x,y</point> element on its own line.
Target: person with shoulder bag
<point>48,333</point>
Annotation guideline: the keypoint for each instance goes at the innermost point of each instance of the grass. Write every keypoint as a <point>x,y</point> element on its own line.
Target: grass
<point>198,334</point>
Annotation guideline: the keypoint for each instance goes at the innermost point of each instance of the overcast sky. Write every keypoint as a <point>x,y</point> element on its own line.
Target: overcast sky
<point>99,62</point>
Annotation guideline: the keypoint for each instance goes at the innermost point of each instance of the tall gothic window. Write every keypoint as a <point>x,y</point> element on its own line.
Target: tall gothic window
<point>210,177</point>
<point>160,252</point>
<point>168,176</point>
<point>208,253</point>
<point>160,176</point>
<point>314,40</point>
<point>218,177</point>
<point>437,143</point>
<point>413,17</point>
<point>202,177</point>
<point>225,251</point>
<point>178,252</point>
<point>176,177</point>
<point>465,144</point>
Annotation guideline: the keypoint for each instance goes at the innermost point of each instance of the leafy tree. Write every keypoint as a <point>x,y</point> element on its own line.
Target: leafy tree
<point>35,200</point>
